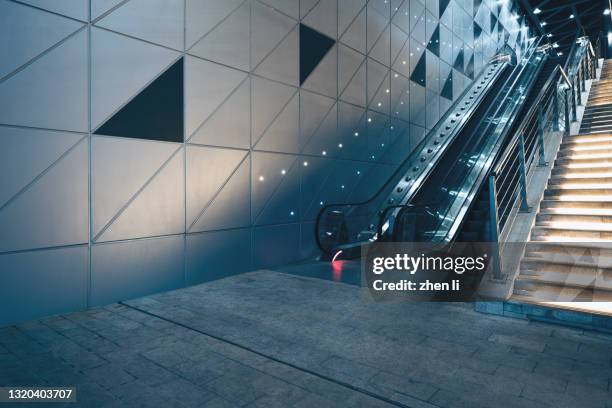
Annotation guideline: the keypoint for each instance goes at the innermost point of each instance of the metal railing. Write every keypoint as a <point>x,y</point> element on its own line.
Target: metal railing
<point>507,184</point>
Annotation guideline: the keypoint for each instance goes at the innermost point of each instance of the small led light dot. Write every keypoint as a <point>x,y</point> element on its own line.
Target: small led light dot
<point>356,133</point>
<point>283,172</point>
<point>305,164</point>
<point>340,145</point>
<point>324,153</point>
<point>369,119</point>
<point>261,178</point>
<point>320,202</point>
<point>291,213</point>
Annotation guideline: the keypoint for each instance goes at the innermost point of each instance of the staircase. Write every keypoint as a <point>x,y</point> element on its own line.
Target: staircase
<point>569,256</point>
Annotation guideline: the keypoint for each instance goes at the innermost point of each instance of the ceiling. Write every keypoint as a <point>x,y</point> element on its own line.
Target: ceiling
<point>561,20</point>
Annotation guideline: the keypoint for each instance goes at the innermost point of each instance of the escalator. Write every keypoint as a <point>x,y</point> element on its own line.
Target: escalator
<point>476,225</point>
<point>433,191</point>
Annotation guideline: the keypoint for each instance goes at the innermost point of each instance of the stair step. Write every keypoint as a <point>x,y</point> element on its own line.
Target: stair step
<point>583,163</point>
<point>562,171</point>
<point>587,148</point>
<point>587,138</point>
<point>569,210</point>
<point>548,204</point>
<point>579,186</point>
<point>578,249</point>
<point>573,196</point>
<point>546,291</point>
<point>593,128</point>
<point>570,226</point>
<point>585,263</point>
<point>586,178</point>
<point>569,234</point>
<point>595,121</point>
<point>581,156</point>
<point>590,115</point>
<point>560,218</point>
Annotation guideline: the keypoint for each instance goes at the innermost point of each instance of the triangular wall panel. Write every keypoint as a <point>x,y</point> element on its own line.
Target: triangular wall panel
<point>269,100</point>
<point>156,113</point>
<point>29,32</point>
<point>158,21</point>
<point>112,57</point>
<point>203,15</point>
<point>282,62</point>
<point>30,97</point>
<point>208,171</point>
<point>230,207</point>
<point>119,168</point>
<point>156,210</point>
<point>41,148</point>
<point>52,211</point>
<point>230,124</point>
<point>313,47</point>
<point>207,86</point>
<point>283,135</point>
<point>228,42</point>
<point>268,29</point>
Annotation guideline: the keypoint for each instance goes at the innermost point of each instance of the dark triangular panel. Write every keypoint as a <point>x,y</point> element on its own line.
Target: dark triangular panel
<point>156,113</point>
<point>443,4</point>
<point>469,69</point>
<point>313,47</point>
<point>434,42</point>
<point>477,31</point>
<point>447,89</point>
<point>420,72</point>
<point>459,61</point>
<point>477,4</point>
<point>493,22</point>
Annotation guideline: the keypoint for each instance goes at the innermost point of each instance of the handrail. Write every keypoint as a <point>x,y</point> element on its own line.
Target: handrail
<point>383,214</point>
<point>507,127</point>
<point>564,76</point>
<point>509,84</point>
<point>579,65</point>
<point>526,121</point>
<point>416,152</point>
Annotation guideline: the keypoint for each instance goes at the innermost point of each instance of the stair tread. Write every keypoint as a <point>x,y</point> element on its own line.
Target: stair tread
<point>593,308</point>
<point>600,263</point>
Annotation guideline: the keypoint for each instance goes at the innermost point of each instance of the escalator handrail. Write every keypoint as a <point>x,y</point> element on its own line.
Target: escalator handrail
<point>533,50</point>
<point>383,214</point>
<point>415,152</point>
<point>449,235</point>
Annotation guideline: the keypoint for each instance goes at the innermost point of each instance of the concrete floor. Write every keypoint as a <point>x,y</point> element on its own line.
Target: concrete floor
<point>270,339</point>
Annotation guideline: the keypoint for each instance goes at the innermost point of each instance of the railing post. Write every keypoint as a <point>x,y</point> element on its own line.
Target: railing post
<point>583,73</point>
<point>494,229</point>
<point>542,158</point>
<point>555,110</point>
<point>566,96</point>
<point>574,115</point>
<point>523,175</point>
<point>579,88</point>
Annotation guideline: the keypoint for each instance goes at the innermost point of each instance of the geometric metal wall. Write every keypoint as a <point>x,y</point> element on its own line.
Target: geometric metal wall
<point>116,182</point>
